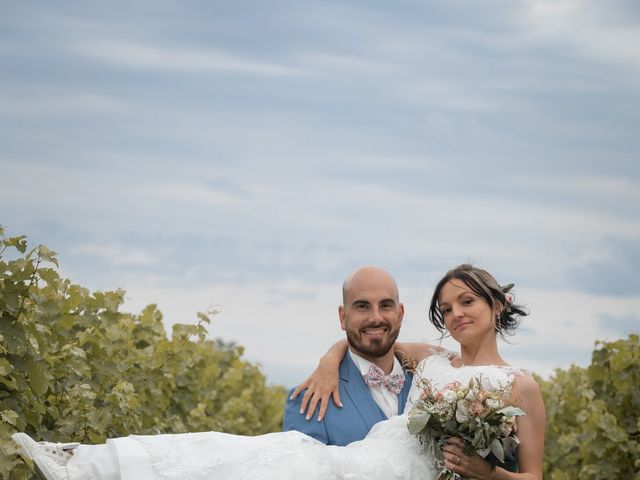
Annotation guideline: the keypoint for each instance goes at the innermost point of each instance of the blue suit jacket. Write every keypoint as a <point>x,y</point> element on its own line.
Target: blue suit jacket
<point>353,421</point>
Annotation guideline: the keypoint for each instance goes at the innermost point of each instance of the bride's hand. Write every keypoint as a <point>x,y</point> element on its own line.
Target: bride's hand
<point>473,466</point>
<point>321,384</point>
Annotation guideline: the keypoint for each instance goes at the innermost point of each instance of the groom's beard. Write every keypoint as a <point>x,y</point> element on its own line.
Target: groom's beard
<point>372,347</point>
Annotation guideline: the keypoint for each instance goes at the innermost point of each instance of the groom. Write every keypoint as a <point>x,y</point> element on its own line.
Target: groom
<point>373,386</point>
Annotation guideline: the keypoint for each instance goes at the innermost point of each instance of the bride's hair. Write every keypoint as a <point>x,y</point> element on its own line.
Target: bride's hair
<point>484,285</point>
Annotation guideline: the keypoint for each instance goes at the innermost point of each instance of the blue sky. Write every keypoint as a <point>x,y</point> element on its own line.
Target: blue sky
<point>251,154</point>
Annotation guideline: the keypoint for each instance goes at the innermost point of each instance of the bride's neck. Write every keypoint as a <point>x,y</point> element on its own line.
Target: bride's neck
<point>486,354</point>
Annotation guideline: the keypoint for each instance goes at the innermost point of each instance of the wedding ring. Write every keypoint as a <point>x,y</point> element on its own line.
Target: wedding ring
<point>456,460</point>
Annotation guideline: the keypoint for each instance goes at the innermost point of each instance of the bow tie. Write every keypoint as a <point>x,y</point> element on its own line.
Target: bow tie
<point>375,376</point>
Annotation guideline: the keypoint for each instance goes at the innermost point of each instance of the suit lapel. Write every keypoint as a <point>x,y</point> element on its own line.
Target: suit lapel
<point>359,393</point>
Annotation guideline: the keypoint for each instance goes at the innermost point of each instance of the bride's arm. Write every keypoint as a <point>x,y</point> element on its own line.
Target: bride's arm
<point>323,382</point>
<point>530,433</point>
<point>416,351</point>
<point>530,428</point>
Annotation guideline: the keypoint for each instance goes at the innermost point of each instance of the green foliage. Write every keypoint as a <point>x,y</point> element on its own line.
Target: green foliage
<point>75,368</point>
<point>593,428</point>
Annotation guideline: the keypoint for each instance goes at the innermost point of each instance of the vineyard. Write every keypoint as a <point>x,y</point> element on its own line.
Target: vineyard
<point>74,367</point>
<point>593,421</point>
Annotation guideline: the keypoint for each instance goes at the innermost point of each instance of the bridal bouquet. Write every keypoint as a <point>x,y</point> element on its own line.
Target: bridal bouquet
<point>480,416</point>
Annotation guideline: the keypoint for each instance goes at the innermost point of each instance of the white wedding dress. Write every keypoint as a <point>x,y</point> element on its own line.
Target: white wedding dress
<point>388,452</point>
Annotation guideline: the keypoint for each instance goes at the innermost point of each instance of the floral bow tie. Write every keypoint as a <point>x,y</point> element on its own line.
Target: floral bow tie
<point>394,381</point>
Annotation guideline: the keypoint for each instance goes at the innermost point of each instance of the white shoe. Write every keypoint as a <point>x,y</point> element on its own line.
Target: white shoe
<point>50,458</point>
<point>50,469</point>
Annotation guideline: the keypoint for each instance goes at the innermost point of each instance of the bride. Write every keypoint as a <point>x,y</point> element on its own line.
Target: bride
<point>467,303</point>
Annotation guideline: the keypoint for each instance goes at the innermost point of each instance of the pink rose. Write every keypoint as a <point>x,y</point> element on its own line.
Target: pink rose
<point>476,408</point>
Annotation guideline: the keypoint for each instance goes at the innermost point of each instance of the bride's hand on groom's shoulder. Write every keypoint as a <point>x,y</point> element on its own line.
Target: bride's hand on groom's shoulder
<point>318,388</point>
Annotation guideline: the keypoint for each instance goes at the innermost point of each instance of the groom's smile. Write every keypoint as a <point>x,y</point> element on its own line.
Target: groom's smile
<point>375,332</point>
<point>372,341</point>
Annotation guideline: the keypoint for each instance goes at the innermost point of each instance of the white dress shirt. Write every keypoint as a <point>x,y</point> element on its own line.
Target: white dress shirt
<point>386,400</point>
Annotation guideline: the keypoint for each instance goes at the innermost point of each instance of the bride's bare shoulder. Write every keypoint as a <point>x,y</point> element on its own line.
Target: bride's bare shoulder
<point>525,382</point>
<point>526,387</point>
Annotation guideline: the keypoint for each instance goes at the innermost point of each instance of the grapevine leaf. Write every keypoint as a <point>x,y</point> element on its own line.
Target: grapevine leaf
<point>37,377</point>
<point>48,255</point>
<point>5,367</point>
<point>9,416</point>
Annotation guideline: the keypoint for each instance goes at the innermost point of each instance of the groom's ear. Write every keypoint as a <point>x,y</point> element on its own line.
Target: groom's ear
<point>341,315</point>
<point>401,314</point>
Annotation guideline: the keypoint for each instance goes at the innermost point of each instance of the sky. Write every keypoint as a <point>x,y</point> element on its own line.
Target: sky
<point>248,155</point>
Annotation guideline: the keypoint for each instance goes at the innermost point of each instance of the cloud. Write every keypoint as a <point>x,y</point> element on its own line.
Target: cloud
<point>115,255</point>
<point>591,28</point>
<point>611,268</point>
<point>605,188</point>
<point>622,325</point>
<point>188,193</point>
<point>328,64</point>
<point>36,103</point>
<point>226,224</point>
<point>139,55</point>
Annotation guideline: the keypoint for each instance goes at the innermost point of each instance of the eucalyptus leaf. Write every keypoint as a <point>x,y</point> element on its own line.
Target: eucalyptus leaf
<point>507,288</point>
<point>511,411</point>
<point>497,449</point>
<point>417,422</point>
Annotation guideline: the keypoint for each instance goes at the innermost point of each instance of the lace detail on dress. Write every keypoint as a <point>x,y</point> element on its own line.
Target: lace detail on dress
<point>289,455</point>
<point>215,455</point>
<point>172,457</point>
<point>438,369</point>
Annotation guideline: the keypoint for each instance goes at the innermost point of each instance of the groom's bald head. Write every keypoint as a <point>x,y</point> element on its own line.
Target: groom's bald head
<point>366,276</point>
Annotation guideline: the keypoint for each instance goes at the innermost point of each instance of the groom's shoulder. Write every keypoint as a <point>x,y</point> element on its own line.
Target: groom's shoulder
<point>294,420</point>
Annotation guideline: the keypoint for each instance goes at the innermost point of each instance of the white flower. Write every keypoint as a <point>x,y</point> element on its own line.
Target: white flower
<point>462,412</point>
<point>493,404</point>
<point>449,396</point>
<point>507,426</point>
